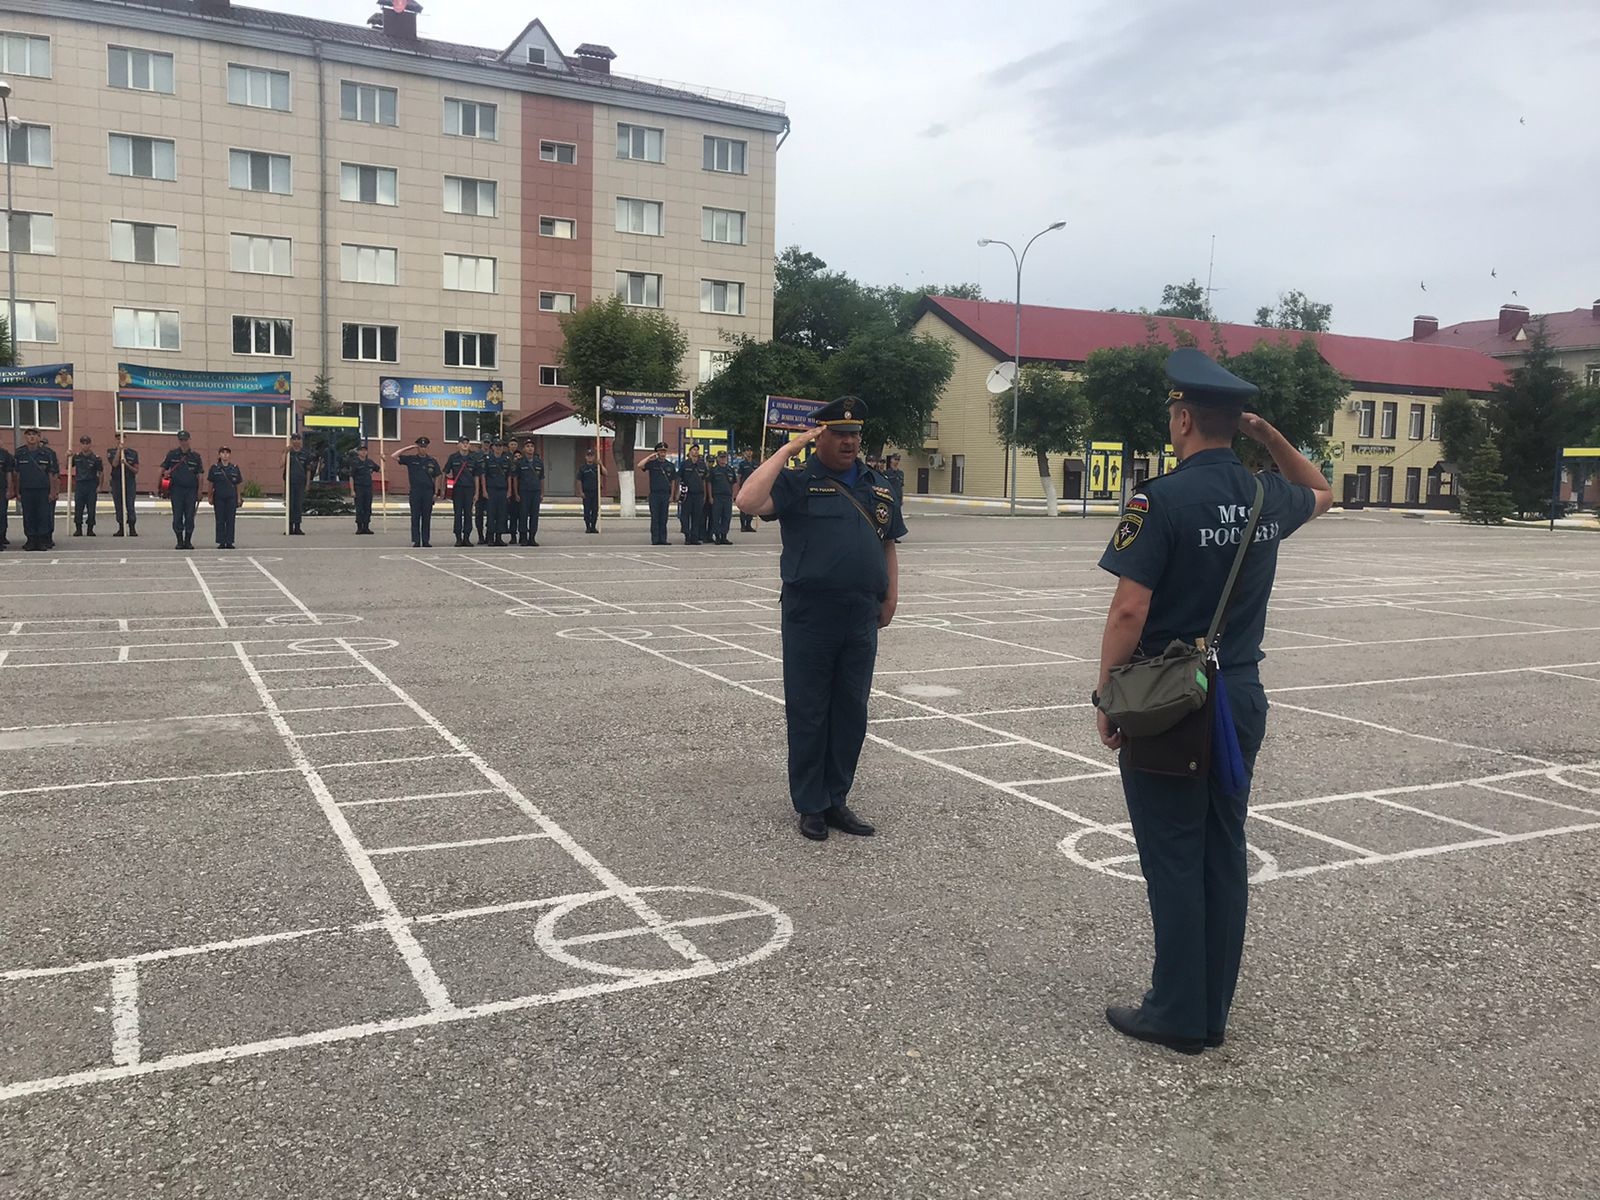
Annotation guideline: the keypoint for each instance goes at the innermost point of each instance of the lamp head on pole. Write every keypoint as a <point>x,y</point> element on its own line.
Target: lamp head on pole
<point>983,241</point>
<point>1058,225</point>
<point>5,90</point>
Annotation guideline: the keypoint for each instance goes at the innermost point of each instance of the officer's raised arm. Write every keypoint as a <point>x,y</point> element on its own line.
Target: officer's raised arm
<point>755,497</point>
<point>1293,465</point>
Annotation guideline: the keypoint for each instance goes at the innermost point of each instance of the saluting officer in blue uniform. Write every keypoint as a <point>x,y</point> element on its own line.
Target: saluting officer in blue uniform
<point>183,469</point>
<point>1172,552</point>
<point>38,484</point>
<point>224,481</point>
<point>86,467</point>
<point>363,469</point>
<point>839,522</point>
<point>663,476</point>
<point>422,469</point>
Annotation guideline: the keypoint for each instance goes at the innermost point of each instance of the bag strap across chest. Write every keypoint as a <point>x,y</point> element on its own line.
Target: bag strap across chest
<point>857,505</point>
<point>1219,618</point>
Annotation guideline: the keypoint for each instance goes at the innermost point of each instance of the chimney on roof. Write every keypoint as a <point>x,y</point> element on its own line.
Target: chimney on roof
<point>590,57</point>
<point>397,19</point>
<point>216,8</point>
<point>1512,317</point>
<point>1423,327</point>
<point>1596,310</point>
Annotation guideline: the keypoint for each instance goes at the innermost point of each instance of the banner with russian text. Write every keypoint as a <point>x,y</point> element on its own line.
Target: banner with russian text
<point>791,413</point>
<point>203,387</point>
<point>53,382</point>
<point>469,395</point>
<point>644,404</point>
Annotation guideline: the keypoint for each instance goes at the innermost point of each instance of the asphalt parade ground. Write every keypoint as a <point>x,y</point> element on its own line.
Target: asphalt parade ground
<point>336,869</point>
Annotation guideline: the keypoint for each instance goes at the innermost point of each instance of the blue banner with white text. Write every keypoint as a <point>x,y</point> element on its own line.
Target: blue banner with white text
<point>469,395</point>
<point>644,404</point>
<point>203,387</point>
<point>791,413</point>
<point>53,382</point>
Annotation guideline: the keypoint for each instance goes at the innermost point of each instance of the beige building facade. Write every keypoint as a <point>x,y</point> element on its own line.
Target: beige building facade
<point>210,187</point>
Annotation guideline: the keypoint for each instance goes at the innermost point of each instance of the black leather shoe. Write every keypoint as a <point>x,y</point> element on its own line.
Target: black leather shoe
<point>132,532</point>
<point>1133,1023</point>
<point>814,827</point>
<point>845,821</point>
<point>118,533</point>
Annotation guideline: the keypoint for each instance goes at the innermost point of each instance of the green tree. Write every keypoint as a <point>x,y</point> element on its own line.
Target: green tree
<point>735,397</point>
<point>900,377</point>
<point>1300,392</point>
<point>6,358</point>
<point>1186,300</point>
<point>903,303</point>
<point>1051,415</point>
<point>332,447</point>
<point>1125,389</point>
<point>610,345</point>
<point>1531,418</point>
<point>1486,500</point>
<point>1461,426</point>
<point>1296,310</point>
<point>820,309</point>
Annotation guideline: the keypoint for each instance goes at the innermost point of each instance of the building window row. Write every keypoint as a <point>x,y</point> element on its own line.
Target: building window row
<point>30,414</point>
<point>642,289</point>
<point>24,54</point>
<point>645,143</point>
<point>28,233</point>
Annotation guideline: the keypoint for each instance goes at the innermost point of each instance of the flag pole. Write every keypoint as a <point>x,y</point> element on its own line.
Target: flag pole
<point>72,465</point>
<point>383,472</point>
<point>766,414</point>
<point>599,462</point>
<point>286,514</point>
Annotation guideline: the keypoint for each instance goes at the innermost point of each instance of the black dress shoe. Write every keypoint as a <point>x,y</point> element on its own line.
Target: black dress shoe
<point>845,821</point>
<point>77,533</point>
<point>1133,1023</point>
<point>531,542</point>
<point>132,532</point>
<point>814,827</point>
<point>91,531</point>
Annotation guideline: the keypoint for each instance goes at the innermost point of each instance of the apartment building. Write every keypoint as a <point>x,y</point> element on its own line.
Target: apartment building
<point>210,187</point>
<point>1383,443</point>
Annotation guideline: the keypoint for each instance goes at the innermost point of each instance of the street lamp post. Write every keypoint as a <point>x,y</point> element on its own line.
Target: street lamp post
<point>1016,364</point>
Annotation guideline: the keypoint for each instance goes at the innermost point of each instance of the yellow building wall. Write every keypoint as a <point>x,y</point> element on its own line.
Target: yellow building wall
<point>1349,450</point>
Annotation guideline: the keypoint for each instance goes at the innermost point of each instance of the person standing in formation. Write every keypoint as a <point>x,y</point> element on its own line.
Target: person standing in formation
<point>363,469</point>
<point>183,470</point>
<point>425,480</point>
<point>747,468</point>
<point>86,467</point>
<point>480,499</point>
<point>493,485</point>
<point>462,468</point>
<point>721,480</point>
<point>663,477</point>
<point>297,463</point>
<point>528,488</point>
<point>224,481</point>
<point>897,477</point>
<point>591,478</point>
<point>37,486</point>
<point>122,461</point>
<point>692,486</point>
<point>8,479</point>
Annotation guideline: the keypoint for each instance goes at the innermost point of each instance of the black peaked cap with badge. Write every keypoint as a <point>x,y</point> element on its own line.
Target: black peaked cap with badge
<point>843,415</point>
<point>1198,379</point>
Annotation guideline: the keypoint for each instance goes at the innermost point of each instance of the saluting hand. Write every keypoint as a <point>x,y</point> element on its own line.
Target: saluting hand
<point>801,441</point>
<point>1257,428</point>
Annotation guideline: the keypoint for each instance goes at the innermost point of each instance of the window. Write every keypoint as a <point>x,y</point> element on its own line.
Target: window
<point>712,362</point>
<point>473,426</point>
<point>1367,412</point>
<point>257,254</point>
<point>1390,414</point>
<point>468,273</point>
<point>1415,429</point>
<point>367,185</point>
<point>646,432</point>
<point>367,103</point>
<point>143,157</point>
<point>258,87</point>
<point>29,233</point>
<point>28,146</point>
<point>639,142</point>
<point>558,152</point>
<point>376,422</point>
<point>637,288</point>
<point>557,227</point>
<point>151,416</point>
<point>1364,484</point>
<point>36,321</point>
<point>536,56</point>
<point>144,329</point>
<point>558,302</point>
<point>24,54</point>
<point>724,154</point>
<point>1433,424</point>
<point>1413,485</point>
<point>469,349</point>
<point>469,118</point>
<point>136,242</point>
<point>720,296</point>
<point>372,343</point>
<point>1325,428</point>
<point>253,171</point>
<point>272,336</point>
<point>368,264</point>
<point>139,70</point>
<point>958,473</point>
<point>552,377</point>
<point>1385,485</point>
<point>722,225</point>
<point>1591,374</point>
<point>639,216</point>
<point>30,414</point>
<point>261,420</point>
<point>469,197</point>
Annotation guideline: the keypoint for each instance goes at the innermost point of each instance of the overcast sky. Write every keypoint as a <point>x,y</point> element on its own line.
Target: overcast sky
<point>1355,149</point>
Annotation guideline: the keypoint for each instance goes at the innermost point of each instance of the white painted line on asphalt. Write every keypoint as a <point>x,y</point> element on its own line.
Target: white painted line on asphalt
<point>111,783</point>
<point>339,733</point>
<point>1360,851</point>
<point>303,670</point>
<point>129,721</point>
<point>1433,851</point>
<point>1433,816</point>
<point>386,762</point>
<point>427,979</point>
<point>487,841</point>
<point>1357,683</point>
<point>125,1048</point>
<point>153,956</point>
<point>205,588</point>
<point>1568,675</point>
<point>616,935</point>
<point>311,617</point>
<point>418,796</point>
<point>975,746</point>
<point>1027,783</point>
<point>1577,808</point>
<point>1061,654</point>
<point>1423,737</point>
<point>342,707</point>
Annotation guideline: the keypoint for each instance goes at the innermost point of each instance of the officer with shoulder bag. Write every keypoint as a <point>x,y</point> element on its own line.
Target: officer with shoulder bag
<point>1180,694</point>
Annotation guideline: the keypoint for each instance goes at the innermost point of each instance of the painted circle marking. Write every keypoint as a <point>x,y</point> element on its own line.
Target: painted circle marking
<point>315,619</point>
<point>928,691</point>
<point>591,634</point>
<point>364,645</point>
<point>1125,865</point>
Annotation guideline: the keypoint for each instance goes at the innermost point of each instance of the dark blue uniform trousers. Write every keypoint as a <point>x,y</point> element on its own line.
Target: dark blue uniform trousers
<point>721,516</point>
<point>462,499</point>
<point>226,510</point>
<point>421,516</point>
<point>297,505</point>
<point>184,500</point>
<point>497,513</point>
<point>83,504</point>
<point>1192,852</point>
<point>528,515</point>
<point>38,514</point>
<point>830,645</point>
<point>658,518</point>
<point>591,508</point>
<point>363,499</point>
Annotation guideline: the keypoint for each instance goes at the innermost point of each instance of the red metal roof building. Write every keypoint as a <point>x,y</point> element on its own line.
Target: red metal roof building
<point>1574,336</point>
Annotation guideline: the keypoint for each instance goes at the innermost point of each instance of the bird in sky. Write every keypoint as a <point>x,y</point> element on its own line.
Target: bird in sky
<point>1522,120</point>
<point>1424,285</point>
<point>1493,274</point>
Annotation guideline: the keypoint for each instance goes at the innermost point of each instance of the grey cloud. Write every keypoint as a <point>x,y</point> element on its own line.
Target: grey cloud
<point>937,130</point>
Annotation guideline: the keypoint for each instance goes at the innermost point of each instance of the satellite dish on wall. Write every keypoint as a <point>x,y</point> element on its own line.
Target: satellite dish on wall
<point>1001,378</point>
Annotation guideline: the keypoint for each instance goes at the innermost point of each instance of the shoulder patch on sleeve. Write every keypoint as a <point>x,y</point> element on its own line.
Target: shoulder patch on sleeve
<point>1127,529</point>
<point>1139,503</point>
